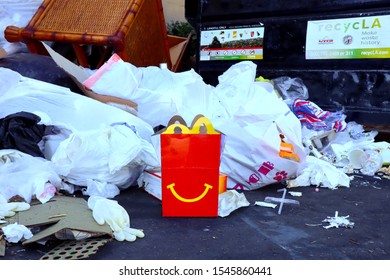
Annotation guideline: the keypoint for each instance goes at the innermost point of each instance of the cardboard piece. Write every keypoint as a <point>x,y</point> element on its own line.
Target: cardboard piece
<point>79,75</point>
<point>3,244</point>
<point>177,49</point>
<point>62,212</point>
<point>3,53</point>
<point>190,162</point>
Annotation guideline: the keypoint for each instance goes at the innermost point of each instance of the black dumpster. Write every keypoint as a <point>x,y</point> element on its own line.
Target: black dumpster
<point>340,49</point>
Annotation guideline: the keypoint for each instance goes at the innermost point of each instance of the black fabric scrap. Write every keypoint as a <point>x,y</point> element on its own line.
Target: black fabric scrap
<point>22,132</point>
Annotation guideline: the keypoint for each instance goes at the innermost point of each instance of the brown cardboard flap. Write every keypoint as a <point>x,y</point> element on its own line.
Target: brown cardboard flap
<point>79,76</point>
<point>3,53</point>
<point>61,212</point>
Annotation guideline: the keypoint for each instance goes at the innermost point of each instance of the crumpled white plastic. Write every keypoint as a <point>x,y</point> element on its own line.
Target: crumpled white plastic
<point>112,155</point>
<point>229,201</point>
<point>318,172</point>
<point>99,188</point>
<point>15,232</point>
<point>338,221</point>
<point>109,211</point>
<point>27,176</point>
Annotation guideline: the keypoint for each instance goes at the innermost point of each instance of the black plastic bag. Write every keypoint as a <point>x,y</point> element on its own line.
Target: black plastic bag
<point>22,132</point>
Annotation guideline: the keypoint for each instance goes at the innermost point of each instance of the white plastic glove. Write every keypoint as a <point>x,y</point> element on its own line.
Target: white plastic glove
<point>109,211</point>
<point>15,232</point>
<point>8,209</point>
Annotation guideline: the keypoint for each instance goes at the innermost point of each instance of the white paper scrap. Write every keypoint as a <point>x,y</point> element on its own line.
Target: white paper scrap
<point>265,204</point>
<point>295,193</point>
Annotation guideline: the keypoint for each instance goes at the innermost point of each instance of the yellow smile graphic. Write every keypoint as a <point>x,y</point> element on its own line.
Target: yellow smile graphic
<point>171,187</point>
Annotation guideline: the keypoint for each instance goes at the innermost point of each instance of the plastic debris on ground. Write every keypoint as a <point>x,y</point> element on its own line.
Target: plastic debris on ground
<point>338,221</point>
<point>318,172</point>
<point>343,149</point>
<point>266,204</point>
<point>298,194</point>
<point>230,201</point>
<point>281,200</point>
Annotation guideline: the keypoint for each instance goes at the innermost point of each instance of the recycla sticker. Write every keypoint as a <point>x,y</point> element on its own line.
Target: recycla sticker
<point>348,38</point>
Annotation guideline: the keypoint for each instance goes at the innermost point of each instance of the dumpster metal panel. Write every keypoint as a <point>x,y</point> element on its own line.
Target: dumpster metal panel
<point>359,86</point>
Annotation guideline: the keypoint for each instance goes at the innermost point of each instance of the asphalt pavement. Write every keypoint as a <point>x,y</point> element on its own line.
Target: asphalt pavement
<point>299,232</point>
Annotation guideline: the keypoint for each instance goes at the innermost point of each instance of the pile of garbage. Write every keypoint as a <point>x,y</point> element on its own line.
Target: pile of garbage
<point>64,142</point>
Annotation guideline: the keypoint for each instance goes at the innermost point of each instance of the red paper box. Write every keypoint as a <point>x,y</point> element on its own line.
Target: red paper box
<point>190,159</point>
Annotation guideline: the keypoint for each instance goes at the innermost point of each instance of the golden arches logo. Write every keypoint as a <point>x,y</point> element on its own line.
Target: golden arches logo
<point>189,200</point>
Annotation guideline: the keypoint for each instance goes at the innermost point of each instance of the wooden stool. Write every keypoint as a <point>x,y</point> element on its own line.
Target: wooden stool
<point>134,29</point>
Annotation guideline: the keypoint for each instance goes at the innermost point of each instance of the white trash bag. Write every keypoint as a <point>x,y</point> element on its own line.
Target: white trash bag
<point>258,118</point>
<point>27,176</point>
<point>112,155</point>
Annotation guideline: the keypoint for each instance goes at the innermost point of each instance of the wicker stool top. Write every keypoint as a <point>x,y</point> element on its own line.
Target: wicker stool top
<point>134,29</point>
<point>76,16</point>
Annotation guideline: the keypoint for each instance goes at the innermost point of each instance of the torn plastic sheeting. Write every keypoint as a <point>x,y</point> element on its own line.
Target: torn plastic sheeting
<point>27,176</point>
<point>290,88</point>
<point>230,201</point>
<point>338,221</point>
<point>317,172</point>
